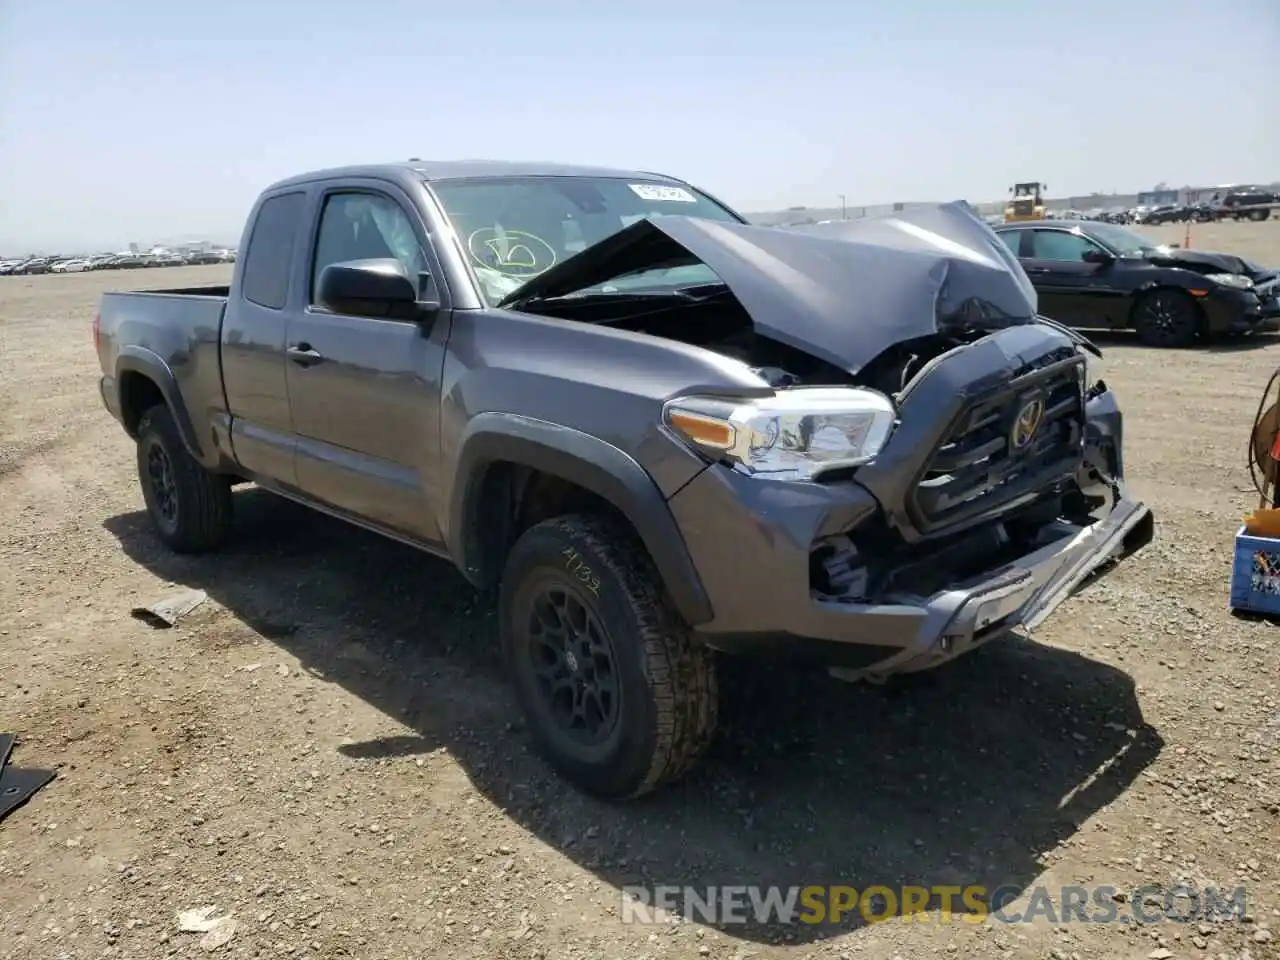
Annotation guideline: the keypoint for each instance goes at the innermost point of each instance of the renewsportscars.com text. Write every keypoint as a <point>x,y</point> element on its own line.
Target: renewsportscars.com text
<point>728,905</point>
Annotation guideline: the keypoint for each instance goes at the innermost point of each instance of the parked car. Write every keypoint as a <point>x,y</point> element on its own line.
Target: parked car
<point>1166,213</point>
<point>659,431</point>
<point>1093,275</point>
<point>1245,203</point>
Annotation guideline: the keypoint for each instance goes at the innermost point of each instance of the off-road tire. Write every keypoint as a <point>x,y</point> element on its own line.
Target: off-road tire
<point>203,514</point>
<point>1181,318</point>
<point>669,697</point>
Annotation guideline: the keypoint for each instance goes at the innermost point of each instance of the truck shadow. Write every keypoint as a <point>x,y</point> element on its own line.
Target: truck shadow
<point>964,776</point>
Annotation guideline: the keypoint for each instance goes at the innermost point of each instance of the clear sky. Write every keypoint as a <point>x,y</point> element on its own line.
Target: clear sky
<point>142,120</point>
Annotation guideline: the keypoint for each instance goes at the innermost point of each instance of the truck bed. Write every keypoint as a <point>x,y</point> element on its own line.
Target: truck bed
<point>175,331</point>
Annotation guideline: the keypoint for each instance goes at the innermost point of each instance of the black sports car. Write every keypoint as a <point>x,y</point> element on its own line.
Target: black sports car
<point>1100,275</point>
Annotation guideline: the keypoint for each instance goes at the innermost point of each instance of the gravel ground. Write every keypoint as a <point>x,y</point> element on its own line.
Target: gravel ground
<point>326,749</point>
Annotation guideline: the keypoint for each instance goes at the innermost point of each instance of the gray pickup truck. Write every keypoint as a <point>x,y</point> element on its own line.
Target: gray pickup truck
<point>659,431</point>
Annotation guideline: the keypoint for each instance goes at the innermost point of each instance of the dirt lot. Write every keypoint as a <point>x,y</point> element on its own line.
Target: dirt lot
<point>326,748</point>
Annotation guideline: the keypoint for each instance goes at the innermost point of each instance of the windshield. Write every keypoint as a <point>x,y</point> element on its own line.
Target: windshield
<point>514,228</point>
<point>1124,242</point>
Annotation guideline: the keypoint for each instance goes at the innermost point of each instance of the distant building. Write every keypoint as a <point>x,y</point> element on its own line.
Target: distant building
<point>1157,198</point>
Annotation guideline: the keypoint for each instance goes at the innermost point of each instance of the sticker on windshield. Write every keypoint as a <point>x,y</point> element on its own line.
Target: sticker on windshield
<point>513,253</point>
<point>654,191</point>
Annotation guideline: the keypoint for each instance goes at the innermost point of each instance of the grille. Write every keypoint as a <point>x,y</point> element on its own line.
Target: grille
<point>990,463</point>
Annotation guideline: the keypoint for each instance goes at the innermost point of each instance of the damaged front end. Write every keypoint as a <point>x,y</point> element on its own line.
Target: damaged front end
<point>997,495</point>
<point>1015,560</point>
<point>933,467</point>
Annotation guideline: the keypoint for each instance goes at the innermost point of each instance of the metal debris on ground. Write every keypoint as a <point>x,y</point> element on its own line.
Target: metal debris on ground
<point>17,785</point>
<point>166,612</point>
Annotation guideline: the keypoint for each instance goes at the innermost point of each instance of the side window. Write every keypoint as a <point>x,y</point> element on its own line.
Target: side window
<point>1059,245</point>
<point>1013,240</point>
<point>365,226</point>
<point>269,259</point>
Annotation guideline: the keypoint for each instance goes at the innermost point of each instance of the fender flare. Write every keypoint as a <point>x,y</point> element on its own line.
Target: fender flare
<point>592,464</point>
<point>140,360</point>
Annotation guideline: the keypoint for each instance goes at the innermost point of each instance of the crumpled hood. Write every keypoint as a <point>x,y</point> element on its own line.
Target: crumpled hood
<point>843,292</point>
<point>1198,260</point>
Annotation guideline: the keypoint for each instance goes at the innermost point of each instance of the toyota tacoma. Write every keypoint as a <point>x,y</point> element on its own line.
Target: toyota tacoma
<point>661,433</point>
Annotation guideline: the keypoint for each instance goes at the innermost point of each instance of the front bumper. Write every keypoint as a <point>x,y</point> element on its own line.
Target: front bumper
<point>1269,296</point>
<point>1228,310</point>
<point>1026,592</point>
<point>752,543</point>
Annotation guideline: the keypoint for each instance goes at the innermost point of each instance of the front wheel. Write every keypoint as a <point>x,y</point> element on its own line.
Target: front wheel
<point>189,507</point>
<point>1166,318</point>
<point>619,697</point>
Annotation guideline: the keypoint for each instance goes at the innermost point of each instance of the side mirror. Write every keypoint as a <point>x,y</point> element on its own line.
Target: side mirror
<point>1098,257</point>
<point>372,288</point>
<point>1175,246</point>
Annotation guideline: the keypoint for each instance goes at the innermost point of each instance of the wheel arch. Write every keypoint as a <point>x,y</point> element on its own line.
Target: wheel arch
<point>143,379</point>
<point>507,461</point>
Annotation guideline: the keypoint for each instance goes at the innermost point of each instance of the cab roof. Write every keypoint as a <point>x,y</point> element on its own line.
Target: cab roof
<point>469,169</point>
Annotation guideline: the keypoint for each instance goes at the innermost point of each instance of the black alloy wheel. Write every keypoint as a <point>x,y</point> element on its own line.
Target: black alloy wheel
<point>162,485</point>
<point>572,658</point>
<point>1166,318</point>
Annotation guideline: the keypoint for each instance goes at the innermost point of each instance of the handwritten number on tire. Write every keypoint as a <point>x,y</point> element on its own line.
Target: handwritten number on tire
<point>579,570</point>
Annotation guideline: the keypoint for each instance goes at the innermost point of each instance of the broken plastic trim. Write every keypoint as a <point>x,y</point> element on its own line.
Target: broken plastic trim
<point>17,784</point>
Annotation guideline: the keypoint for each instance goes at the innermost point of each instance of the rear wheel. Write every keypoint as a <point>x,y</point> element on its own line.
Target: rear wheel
<point>189,507</point>
<point>1259,215</point>
<point>1166,318</point>
<point>618,695</point>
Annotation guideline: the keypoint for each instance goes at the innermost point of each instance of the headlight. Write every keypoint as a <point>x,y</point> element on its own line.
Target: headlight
<point>795,434</point>
<point>1237,280</point>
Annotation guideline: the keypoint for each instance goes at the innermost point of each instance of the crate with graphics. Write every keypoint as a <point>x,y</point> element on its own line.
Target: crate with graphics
<point>1255,574</point>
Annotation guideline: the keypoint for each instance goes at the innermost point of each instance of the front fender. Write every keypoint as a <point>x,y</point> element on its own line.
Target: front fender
<point>139,360</point>
<point>592,464</point>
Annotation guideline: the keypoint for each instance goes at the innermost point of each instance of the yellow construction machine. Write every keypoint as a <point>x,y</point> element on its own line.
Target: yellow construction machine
<point>1027,204</point>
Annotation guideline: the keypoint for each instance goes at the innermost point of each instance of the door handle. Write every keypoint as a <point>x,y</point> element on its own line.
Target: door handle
<point>304,356</point>
<point>1036,269</point>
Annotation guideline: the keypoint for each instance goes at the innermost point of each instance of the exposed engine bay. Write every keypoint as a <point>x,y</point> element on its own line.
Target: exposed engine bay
<point>712,318</point>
